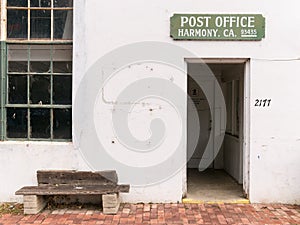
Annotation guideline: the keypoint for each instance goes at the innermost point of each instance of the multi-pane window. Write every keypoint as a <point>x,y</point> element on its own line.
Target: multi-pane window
<point>39,92</point>
<point>39,19</point>
<point>37,75</point>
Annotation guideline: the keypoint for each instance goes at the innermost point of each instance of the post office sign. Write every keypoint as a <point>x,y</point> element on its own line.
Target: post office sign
<point>247,27</point>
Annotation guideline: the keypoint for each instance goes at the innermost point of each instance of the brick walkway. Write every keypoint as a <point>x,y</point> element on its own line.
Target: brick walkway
<point>168,214</point>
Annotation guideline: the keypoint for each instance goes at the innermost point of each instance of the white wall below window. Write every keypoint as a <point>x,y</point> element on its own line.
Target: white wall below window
<point>19,162</point>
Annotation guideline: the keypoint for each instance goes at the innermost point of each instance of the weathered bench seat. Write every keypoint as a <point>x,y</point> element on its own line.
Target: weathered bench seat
<point>71,182</point>
<point>72,190</point>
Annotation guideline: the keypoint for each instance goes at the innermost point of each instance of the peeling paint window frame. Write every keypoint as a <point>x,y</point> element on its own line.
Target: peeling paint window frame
<point>29,105</point>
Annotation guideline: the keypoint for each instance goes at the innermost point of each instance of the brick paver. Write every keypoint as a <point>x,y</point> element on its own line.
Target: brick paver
<point>176,214</point>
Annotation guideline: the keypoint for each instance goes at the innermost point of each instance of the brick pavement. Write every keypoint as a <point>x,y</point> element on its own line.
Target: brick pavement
<point>176,214</point>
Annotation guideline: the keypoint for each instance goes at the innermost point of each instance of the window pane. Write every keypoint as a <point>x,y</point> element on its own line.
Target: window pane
<point>40,24</point>
<point>16,123</point>
<point>63,3</point>
<point>63,24</point>
<point>62,53</point>
<point>40,123</point>
<point>22,3</point>
<point>62,67</point>
<point>62,124</point>
<point>17,89</point>
<point>40,53</point>
<point>40,67</point>
<point>17,66</point>
<point>40,57</point>
<point>40,3</point>
<point>17,24</point>
<point>17,58</point>
<point>62,90</point>
<point>62,59</point>
<point>40,89</point>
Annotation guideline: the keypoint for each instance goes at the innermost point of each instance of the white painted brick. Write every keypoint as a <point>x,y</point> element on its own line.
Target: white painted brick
<point>111,210</point>
<point>110,200</point>
<point>33,204</point>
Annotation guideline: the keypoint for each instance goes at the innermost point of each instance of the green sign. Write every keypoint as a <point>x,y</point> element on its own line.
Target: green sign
<point>248,27</point>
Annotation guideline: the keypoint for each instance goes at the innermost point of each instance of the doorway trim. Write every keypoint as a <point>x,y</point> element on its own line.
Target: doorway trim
<point>245,144</point>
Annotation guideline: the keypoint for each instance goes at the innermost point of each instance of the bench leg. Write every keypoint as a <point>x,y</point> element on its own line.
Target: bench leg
<point>111,203</point>
<point>33,204</point>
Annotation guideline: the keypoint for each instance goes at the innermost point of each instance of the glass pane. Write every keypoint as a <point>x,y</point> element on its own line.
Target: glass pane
<point>62,67</point>
<point>17,89</point>
<point>40,3</point>
<point>16,126</point>
<point>62,53</point>
<point>17,24</point>
<point>63,3</point>
<point>40,123</point>
<point>62,90</point>
<point>22,3</point>
<point>40,56</point>
<point>62,123</point>
<point>40,89</point>
<point>40,67</point>
<point>17,66</point>
<point>63,24</point>
<point>40,24</point>
<point>17,58</point>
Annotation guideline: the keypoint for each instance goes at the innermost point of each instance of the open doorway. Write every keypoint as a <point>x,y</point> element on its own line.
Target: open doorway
<point>222,180</point>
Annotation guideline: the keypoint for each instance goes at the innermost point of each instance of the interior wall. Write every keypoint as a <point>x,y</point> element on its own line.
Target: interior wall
<point>197,98</point>
<point>232,157</point>
<point>233,140</point>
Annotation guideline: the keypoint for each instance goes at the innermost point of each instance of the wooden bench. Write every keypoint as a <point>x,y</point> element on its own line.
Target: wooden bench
<point>72,182</point>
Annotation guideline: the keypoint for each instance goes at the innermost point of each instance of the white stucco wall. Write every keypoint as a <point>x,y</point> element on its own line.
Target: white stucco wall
<point>274,137</point>
<point>19,162</point>
<point>274,74</point>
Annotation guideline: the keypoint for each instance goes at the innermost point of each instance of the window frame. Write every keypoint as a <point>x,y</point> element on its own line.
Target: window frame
<point>39,40</point>
<point>2,90</point>
<point>4,76</point>
<point>29,106</point>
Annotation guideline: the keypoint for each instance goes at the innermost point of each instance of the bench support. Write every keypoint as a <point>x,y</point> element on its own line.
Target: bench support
<point>111,203</point>
<point>33,204</point>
